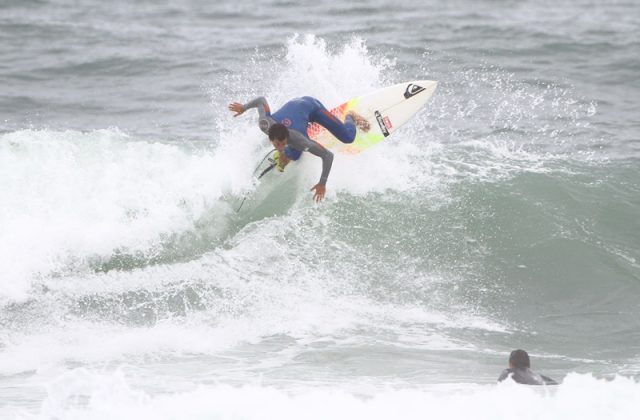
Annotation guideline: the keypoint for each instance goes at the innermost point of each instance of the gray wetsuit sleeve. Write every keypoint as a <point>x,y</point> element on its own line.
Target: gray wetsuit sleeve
<point>264,112</point>
<point>303,144</point>
<point>504,375</point>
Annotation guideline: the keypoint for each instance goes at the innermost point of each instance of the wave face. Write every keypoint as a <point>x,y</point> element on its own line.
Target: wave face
<point>503,216</point>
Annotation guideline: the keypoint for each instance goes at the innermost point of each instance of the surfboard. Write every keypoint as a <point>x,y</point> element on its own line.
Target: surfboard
<point>386,110</point>
<point>266,165</point>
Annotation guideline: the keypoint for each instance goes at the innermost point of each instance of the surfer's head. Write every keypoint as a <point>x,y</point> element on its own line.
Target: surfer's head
<point>519,359</point>
<point>278,132</point>
<point>279,135</point>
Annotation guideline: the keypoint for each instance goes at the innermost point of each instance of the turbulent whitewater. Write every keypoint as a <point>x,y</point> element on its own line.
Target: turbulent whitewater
<point>503,216</point>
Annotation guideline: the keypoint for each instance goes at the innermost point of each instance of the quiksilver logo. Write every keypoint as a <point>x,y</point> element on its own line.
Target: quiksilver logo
<point>381,123</point>
<point>412,90</point>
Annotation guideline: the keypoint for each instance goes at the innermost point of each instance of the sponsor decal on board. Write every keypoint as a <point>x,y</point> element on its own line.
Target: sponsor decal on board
<point>383,127</point>
<point>387,123</point>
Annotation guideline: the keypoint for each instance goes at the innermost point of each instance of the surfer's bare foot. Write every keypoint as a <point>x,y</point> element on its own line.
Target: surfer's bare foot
<point>361,122</point>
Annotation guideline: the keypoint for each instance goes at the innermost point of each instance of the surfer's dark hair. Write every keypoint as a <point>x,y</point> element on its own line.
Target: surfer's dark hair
<point>278,131</point>
<point>519,359</point>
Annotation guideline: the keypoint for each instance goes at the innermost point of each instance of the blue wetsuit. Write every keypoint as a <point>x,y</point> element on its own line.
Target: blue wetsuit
<point>296,115</point>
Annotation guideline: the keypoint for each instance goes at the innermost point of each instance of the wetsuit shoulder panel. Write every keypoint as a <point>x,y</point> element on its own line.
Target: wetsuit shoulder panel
<point>264,112</point>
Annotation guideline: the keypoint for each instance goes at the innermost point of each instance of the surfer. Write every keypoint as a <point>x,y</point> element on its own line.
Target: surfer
<point>520,371</point>
<point>287,131</point>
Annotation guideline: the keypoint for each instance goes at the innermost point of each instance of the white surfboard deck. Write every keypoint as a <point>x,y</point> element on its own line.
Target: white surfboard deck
<point>386,110</point>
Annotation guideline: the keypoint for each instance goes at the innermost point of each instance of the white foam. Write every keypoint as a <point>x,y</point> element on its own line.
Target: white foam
<point>85,394</point>
<point>244,297</point>
<point>70,195</point>
<point>332,74</point>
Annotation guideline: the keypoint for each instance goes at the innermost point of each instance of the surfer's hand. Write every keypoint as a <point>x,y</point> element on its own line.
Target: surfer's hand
<point>320,191</point>
<point>236,107</point>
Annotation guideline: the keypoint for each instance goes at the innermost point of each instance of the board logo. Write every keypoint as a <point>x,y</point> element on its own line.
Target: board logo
<point>412,90</point>
<point>381,123</point>
<point>387,123</point>
<point>286,122</point>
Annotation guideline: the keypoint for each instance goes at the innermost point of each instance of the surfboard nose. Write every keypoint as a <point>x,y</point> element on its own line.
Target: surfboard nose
<point>419,86</point>
<point>430,85</point>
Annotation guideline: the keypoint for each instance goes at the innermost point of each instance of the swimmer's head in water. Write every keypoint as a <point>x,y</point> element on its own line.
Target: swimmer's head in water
<point>519,359</point>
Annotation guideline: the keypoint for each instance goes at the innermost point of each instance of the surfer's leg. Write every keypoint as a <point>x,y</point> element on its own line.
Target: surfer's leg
<point>345,132</point>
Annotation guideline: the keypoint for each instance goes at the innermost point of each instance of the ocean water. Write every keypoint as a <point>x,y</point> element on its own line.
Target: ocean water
<point>505,215</point>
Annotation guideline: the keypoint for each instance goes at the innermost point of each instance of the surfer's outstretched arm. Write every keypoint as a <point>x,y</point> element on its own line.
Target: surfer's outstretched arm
<point>327,161</point>
<point>301,142</point>
<point>260,102</point>
<point>264,112</point>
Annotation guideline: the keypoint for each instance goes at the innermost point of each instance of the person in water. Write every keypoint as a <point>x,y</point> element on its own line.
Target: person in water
<point>287,130</point>
<point>520,371</point>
